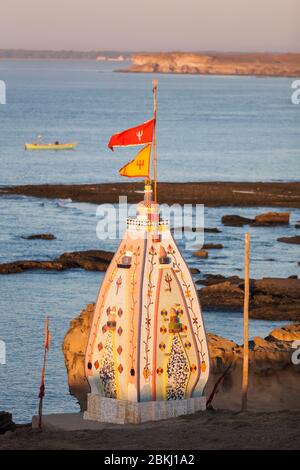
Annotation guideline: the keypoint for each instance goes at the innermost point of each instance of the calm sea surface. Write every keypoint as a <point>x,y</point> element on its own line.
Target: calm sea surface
<point>209,128</point>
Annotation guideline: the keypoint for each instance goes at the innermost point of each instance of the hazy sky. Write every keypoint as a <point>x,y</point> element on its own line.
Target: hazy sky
<point>153,25</point>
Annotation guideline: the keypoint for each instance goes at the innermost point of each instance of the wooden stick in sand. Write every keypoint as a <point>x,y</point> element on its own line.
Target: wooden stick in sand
<point>42,386</point>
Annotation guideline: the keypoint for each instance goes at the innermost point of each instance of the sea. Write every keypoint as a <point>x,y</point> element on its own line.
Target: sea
<point>209,128</point>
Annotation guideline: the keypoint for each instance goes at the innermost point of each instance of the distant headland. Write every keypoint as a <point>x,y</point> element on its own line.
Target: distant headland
<point>206,63</point>
<point>263,64</point>
<point>63,54</point>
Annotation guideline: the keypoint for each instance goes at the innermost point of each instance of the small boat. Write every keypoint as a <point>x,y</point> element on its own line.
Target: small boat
<point>55,146</point>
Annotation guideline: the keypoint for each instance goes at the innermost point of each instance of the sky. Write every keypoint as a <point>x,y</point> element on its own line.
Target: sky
<point>151,25</point>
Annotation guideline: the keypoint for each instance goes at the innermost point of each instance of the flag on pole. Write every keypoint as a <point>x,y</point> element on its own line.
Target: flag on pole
<point>139,135</point>
<point>139,167</point>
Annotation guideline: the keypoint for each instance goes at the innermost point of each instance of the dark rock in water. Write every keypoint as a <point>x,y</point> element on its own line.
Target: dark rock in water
<point>261,220</point>
<point>271,218</point>
<point>24,265</point>
<point>201,254</point>
<point>187,229</point>
<point>212,246</point>
<point>6,422</point>
<point>270,298</point>
<point>212,230</point>
<point>196,229</point>
<point>292,240</point>
<point>212,194</point>
<point>297,226</point>
<point>211,279</point>
<point>235,220</point>
<point>195,270</point>
<point>222,295</point>
<point>40,236</point>
<point>90,260</point>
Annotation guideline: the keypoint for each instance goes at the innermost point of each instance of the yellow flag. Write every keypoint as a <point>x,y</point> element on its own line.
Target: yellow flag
<point>139,166</point>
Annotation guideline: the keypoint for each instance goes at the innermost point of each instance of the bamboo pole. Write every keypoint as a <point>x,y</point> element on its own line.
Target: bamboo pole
<point>154,83</point>
<point>42,386</point>
<point>42,390</point>
<point>246,325</point>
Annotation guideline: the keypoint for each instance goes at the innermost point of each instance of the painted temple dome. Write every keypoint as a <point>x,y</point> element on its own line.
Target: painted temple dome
<point>147,339</point>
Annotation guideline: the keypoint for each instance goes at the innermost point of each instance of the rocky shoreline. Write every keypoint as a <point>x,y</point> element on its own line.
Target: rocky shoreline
<point>90,260</point>
<point>271,421</point>
<point>274,379</point>
<point>212,194</point>
<point>270,298</point>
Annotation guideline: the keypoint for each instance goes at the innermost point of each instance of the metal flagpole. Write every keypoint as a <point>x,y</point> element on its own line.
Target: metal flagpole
<point>154,82</point>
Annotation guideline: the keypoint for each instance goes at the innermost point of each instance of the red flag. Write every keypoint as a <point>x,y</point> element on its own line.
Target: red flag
<point>138,135</point>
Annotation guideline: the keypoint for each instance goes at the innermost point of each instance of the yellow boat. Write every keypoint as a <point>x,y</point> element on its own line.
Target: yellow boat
<point>54,146</point>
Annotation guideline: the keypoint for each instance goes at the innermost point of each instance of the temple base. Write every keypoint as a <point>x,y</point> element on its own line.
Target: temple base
<point>110,410</point>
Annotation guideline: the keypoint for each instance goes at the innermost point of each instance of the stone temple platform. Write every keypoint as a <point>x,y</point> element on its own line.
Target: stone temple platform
<point>109,410</point>
<point>69,422</point>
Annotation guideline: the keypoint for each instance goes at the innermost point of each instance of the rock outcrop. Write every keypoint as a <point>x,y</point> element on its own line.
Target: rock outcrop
<point>90,260</point>
<point>270,298</point>
<point>212,246</point>
<point>262,220</point>
<point>201,254</point>
<point>217,63</point>
<point>271,218</point>
<point>73,347</point>
<point>6,422</point>
<point>274,379</point>
<point>212,194</point>
<point>40,236</point>
<point>291,240</point>
<point>235,220</point>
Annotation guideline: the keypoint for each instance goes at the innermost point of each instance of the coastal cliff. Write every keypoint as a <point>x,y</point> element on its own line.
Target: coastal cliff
<point>284,65</point>
<point>274,381</point>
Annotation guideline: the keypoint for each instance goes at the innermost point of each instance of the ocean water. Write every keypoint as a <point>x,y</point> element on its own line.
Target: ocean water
<point>222,128</point>
<point>209,128</point>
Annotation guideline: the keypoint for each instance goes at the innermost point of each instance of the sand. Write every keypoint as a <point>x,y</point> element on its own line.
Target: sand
<point>203,430</point>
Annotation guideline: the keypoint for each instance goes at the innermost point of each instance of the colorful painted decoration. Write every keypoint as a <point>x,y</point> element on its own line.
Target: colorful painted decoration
<point>147,339</point>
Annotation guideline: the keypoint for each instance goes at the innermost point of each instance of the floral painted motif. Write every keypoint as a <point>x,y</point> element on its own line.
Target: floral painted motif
<point>190,301</point>
<point>107,369</point>
<point>151,263</point>
<point>133,293</point>
<point>177,371</point>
